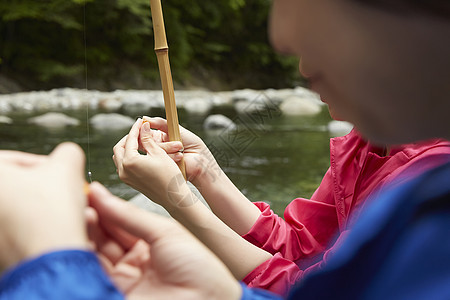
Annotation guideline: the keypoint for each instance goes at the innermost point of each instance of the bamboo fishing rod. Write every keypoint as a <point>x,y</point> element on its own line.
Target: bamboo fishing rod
<point>162,54</point>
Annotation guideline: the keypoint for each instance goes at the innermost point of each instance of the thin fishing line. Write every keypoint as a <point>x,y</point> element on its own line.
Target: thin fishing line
<point>89,173</point>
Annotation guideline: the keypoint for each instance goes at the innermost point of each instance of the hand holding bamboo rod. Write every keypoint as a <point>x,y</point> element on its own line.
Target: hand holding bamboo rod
<point>162,54</point>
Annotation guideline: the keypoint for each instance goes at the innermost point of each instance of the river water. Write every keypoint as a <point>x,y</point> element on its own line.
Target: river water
<point>273,160</point>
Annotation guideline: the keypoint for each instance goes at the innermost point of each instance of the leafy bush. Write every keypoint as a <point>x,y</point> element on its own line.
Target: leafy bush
<point>44,43</point>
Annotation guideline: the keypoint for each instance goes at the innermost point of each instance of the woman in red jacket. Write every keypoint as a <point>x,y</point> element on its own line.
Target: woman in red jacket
<point>311,228</point>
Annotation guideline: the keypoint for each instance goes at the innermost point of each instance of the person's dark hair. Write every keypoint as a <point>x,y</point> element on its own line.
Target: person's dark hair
<point>435,7</point>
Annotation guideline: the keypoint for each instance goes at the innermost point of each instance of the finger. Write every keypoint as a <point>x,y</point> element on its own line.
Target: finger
<point>160,127</point>
<point>119,151</point>
<point>171,147</point>
<point>70,159</point>
<point>138,254</point>
<point>22,158</point>
<point>157,123</point>
<point>157,135</point>
<point>94,232</point>
<point>161,124</point>
<point>142,224</point>
<point>100,240</point>
<point>92,225</point>
<point>111,243</point>
<point>130,267</point>
<point>106,264</point>
<point>114,231</point>
<point>146,139</point>
<point>91,216</point>
<point>132,141</point>
<point>176,157</point>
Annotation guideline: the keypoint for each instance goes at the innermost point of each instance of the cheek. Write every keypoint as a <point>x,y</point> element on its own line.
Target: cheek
<point>280,28</point>
<point>291,22</point>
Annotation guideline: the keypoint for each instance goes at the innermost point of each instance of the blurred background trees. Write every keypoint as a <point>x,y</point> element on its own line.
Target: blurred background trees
<point>219,44</point>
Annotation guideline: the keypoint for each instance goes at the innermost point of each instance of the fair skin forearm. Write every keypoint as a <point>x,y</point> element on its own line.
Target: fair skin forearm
<point>238,255</point>
<point>227,201</point>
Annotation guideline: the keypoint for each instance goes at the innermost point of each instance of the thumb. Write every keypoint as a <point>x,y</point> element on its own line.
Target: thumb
<point>70,158</point>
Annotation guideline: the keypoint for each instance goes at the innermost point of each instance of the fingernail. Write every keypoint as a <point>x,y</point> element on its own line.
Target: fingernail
<point>146,127</point>
<point>178,156</point>
<point>178,146</point>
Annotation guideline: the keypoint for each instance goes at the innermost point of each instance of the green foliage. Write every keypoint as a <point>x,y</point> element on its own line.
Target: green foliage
<point>57,11</point>
<point>236,4</point>
<point>44,40</point>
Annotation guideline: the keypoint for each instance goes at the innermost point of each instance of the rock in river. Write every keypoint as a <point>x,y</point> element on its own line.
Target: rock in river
<point>113,121</point>
<point>214,122</point>
<point>54,120</point>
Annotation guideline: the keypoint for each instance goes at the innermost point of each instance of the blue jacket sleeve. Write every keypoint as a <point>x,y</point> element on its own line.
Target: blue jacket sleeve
<point>398,249</point>
<point>257,294</point>
<point>70,274</point>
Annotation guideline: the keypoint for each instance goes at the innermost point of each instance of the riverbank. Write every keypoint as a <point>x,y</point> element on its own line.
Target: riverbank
<point>131,101</point>
<point>118,109</point>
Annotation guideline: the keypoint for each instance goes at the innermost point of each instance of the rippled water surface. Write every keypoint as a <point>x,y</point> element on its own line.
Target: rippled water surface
<point>272,158</point>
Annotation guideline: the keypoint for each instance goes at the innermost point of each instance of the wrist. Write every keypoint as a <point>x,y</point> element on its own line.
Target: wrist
<point>30,242</point>
<point>177,196</point>
<point>208,169</point>
<point>210,175</point>
<point>44,246</point>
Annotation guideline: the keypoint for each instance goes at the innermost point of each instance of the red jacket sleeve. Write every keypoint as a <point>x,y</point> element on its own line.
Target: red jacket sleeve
<point>279,274</point>
<point>307,228</point>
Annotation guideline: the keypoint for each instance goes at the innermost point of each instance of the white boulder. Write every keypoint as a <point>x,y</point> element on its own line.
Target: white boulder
<point>5,107</point>
<point>199,106</point>
<point>54,120</point>
<point>109,104</point>
<point>214,122</point>
<point>111,121</point>
<point>5,120</point>
<point>300,106</point>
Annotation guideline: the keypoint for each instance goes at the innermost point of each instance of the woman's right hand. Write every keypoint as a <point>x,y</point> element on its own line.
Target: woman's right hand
<point>199,161</point>
<point>223,197</point>
<point>149,256</point>
<point>156,175</point>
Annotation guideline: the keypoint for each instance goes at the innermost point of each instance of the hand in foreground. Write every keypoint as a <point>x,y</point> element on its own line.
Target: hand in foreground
<point>41,203</point>
<point>197,157</point>
<point>150,256</point>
